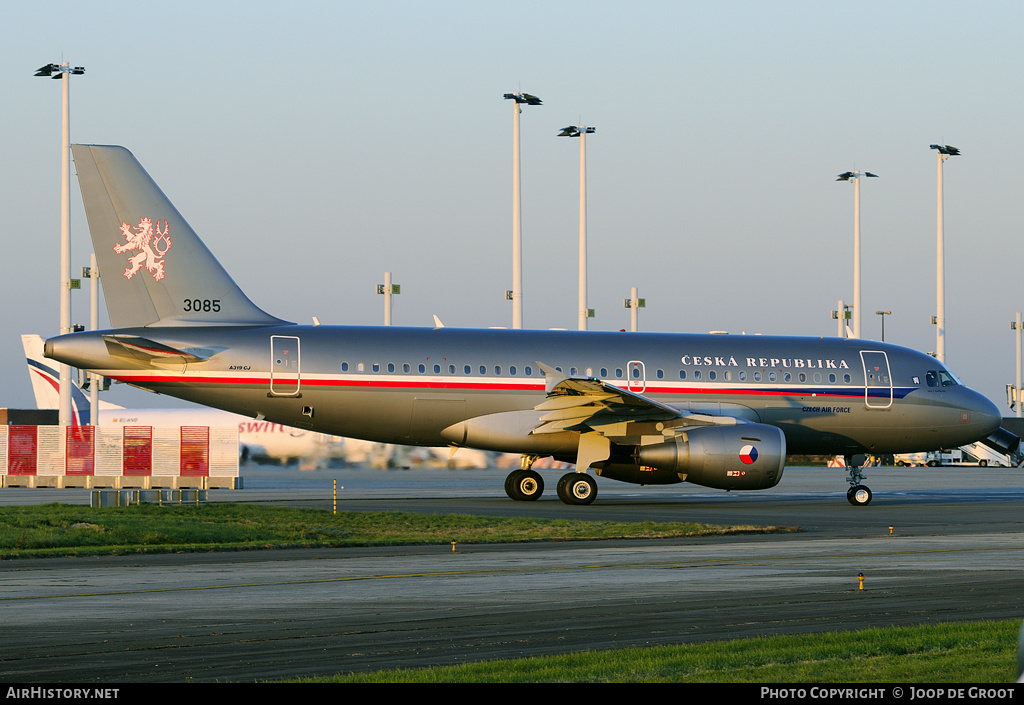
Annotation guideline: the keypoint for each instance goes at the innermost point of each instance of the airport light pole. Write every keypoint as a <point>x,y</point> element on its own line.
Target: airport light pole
<point>1015,401</point>
<point>842,315</point>
<point>582,131</point>
<point>64,72</point>
<point>944,152</point>
<point>388,289</point>
<point>92,273</point>
<point>855,177</point>
<point>517,211</point>
<point>883,314</point>
<point>633,304</point>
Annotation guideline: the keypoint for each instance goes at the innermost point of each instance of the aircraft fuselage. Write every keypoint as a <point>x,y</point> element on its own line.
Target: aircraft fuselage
<point>408,385</point>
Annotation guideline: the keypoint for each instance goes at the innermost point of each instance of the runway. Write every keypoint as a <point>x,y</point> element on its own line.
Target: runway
<point>955,553</point>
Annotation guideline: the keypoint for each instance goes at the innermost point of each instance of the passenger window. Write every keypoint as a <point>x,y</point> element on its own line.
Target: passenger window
<point>344,367</point>
<point>528,370</point>
<point>391,367</point>
<point>757,376</point>
<point>712,375</point>
<point>743,376</point>
<point>437,369</point>
<point>831,378</point>
<point>497,369</point>
<point>405,367</point>
<point>787,377</point>
<point>360,367</point>
<point>512,369</point>
<point>618,372</point>
<point>846,378</point>
<point>451,369</point>
<point>467,369</point>
<point>483,370</point>
<point>423,368</point>
<point>696,374</point>
<point>604,372</point>
<point>661,374</point>
<point>573,372</point>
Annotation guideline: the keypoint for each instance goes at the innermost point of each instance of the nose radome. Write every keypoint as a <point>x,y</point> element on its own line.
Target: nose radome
<point>985,416</point>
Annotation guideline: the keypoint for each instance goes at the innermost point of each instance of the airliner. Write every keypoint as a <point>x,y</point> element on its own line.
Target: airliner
<point>720,411</point>
<point>259,441</point>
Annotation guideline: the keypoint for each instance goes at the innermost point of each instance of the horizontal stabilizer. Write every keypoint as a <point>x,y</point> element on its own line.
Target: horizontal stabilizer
<point>148,350</point>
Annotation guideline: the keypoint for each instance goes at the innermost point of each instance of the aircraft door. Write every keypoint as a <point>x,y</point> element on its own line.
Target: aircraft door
<point>284,365</point>
<point>877,379</point>
<point>636,377</point>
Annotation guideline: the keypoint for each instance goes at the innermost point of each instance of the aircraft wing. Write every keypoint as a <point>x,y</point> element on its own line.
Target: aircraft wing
<point>603,414</point>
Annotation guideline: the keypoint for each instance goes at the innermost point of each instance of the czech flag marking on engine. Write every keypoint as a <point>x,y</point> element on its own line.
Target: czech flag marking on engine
<point>748,454</point>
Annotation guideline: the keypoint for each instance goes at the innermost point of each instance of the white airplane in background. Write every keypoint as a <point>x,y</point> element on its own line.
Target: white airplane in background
<point>259,441</point>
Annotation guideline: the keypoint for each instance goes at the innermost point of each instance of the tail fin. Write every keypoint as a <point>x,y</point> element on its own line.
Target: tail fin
<point>46,383</point>
<point>155,269</point>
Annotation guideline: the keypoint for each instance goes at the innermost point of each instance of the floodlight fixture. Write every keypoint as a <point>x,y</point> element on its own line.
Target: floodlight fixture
<point>58,70</point>
<point>523,98</point>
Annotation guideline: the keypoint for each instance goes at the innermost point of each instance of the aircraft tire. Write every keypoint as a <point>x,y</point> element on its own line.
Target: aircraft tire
<point>529,485</point>
<point>859,496</point>
<point>511,483</point>
<point>579,489</point>
<point>560,487</point>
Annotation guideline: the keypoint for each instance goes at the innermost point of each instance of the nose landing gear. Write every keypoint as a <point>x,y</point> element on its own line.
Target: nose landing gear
<point>858,495</point>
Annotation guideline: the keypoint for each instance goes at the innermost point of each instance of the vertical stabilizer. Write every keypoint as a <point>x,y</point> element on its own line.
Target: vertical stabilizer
<point>155,269</point>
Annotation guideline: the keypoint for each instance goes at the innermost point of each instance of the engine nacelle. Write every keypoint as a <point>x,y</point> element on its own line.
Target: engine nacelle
<point>741,457</point>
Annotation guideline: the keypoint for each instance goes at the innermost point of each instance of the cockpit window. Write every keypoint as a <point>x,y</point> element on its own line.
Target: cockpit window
<point>941,378</point>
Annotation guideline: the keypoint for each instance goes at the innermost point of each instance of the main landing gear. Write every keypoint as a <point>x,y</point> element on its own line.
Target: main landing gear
<point>858,495</point>
<point>526,484</point>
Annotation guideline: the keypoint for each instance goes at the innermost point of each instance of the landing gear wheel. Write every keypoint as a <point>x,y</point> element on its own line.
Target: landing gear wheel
<point>577,488</point>
<point>560,487</point>
<point>859,495</point>
<point>524,485</point>
<point>529,485</point>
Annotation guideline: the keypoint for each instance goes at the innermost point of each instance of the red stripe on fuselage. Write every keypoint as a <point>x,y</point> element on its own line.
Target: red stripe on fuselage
<point>458,385</point>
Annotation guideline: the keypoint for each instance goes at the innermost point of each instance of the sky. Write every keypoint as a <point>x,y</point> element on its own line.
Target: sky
<point>316,145</point>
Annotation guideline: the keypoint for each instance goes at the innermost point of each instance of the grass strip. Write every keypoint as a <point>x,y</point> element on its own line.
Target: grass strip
<point>972,652</point>
<point>73,530</point>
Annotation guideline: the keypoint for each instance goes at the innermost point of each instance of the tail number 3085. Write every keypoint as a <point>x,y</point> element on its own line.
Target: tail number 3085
<point>205,305</point>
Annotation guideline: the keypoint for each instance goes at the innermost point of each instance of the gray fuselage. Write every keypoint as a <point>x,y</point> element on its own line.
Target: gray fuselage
<point>408,385</point>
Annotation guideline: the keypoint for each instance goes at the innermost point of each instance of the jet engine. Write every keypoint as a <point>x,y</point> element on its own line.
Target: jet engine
<point>742,457</point>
